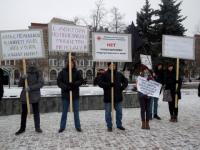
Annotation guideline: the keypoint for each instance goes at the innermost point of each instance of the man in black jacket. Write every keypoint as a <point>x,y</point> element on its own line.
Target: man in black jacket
<point>66,87</point>
<point>119,84</point>
<point>1,84</point>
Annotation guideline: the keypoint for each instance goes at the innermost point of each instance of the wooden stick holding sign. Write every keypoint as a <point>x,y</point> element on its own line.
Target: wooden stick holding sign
<point>26,86</point>
<point>177,78</point>
<point>112,93</point>
<point>70,81</point>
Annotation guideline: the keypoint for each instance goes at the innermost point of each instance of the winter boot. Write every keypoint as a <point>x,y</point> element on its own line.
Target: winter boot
<point>143,125</point>
<point>147,125</point>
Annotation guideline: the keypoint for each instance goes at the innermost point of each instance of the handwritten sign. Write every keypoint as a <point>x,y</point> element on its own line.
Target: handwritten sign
<point>112,47</point>
<point>68,38</point>
<point>150,88</point>
<point>21,44</point>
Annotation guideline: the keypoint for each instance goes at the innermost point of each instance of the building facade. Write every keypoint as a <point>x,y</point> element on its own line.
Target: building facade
<point>53,62</point>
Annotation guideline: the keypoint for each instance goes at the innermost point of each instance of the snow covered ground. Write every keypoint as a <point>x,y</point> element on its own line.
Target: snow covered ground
<point>164,135</point>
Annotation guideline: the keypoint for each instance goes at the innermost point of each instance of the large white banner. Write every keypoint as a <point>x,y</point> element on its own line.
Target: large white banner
<point>111,47</point>
<point>178,47</point>
<point>68,38</point>
<point>146,60</point>
<point>21,44</point>
<point>150,88</point>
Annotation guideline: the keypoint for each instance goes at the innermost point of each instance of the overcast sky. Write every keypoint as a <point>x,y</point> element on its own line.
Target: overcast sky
<point>18,14</point>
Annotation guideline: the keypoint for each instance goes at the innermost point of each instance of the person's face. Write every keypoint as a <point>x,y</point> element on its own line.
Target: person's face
<point>170,68</point>
<point>72,64</point>
<point>114,66</point>
<point>159,67</point>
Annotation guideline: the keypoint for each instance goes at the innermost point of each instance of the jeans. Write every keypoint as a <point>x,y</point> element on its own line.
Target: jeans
<point>65,104</point>
<point>36,116</point>
<point>108,110</point>
<point>153,106</point>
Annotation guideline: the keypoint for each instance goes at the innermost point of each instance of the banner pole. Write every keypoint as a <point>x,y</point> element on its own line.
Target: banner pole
<point>26,85</point>
<point>70,80</point>
<point>177,78</point>
<point>112,93</point>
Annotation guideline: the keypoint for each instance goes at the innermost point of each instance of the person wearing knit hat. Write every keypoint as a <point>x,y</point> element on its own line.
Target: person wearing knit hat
<point>119,84</point>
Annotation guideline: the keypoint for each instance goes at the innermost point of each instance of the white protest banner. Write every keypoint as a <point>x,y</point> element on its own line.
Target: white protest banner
<point>21,44</point>
<point>146,60</point>
<point>150,88</point>
<point>178,47</point>
<point>68,38</point>
<point>111,47</point>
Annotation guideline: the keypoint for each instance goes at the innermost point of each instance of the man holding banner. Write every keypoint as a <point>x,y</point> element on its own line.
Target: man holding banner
<point>119,84</point>
<point>35,82</point>
<point>66,87</point>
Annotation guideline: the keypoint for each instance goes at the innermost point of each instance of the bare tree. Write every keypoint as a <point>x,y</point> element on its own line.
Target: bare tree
<point>116,24</point>
<point>80,21</point>
<point>98,15</point>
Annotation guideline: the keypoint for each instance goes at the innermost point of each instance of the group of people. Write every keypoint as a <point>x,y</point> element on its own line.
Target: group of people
<point>167,78</point>
<point>103,79</point>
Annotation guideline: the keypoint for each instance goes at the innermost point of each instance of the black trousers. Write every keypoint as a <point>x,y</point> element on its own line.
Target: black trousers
<point>172,110</point>
<point>36,116</point>
<point>144,107</point>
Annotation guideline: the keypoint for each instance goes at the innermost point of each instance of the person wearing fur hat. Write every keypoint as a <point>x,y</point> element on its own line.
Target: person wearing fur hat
<point>66,87</point>
<point>35,83</point>
<point>145,100</point>
<point>170,84</point>
<point>119,84</point>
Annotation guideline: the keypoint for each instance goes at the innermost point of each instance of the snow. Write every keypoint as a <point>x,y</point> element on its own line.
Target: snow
<point>163,135</point>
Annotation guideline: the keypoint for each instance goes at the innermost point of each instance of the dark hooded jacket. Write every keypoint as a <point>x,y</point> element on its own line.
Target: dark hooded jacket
<point>63,83</point>
<point>120,83</point>
<point>35,82</point>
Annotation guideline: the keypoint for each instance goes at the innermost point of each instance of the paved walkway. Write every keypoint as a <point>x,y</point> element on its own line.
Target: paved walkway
<point>184,135</point>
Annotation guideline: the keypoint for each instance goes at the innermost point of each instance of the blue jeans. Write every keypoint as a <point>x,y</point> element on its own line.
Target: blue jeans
<point>108,110</point>
<point>154,106</point>
<point>65,104</point>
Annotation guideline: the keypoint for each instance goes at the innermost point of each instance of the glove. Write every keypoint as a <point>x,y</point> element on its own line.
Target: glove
<point>27,89</point>
<point>71,86</point>
<point>24,76</point>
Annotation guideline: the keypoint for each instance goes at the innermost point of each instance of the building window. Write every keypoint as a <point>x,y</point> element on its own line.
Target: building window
<point>81,72</point>
<point>53,62</point>
<point>89,75</point>
<point>53,75</point>
<point>16,76</point>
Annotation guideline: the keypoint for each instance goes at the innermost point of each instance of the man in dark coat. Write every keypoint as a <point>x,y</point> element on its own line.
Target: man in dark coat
<point>35,83</point>
<point>1,84</point>
<point>119,84</point>
<point>66,87</point>
<point>170,84</point>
